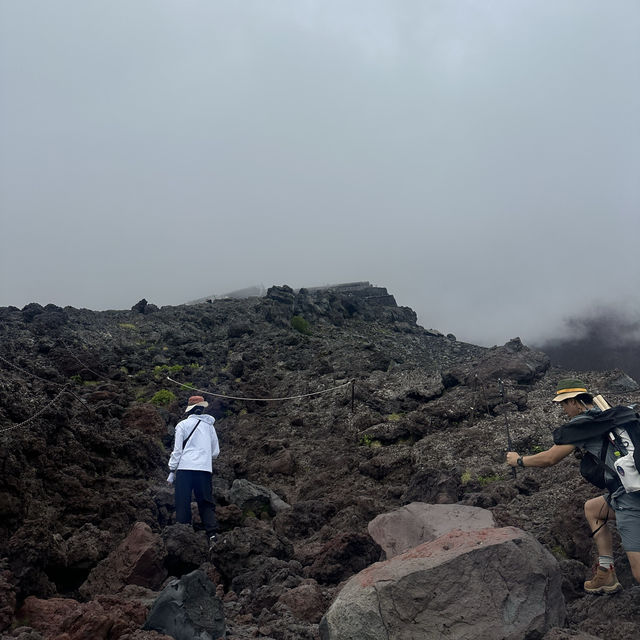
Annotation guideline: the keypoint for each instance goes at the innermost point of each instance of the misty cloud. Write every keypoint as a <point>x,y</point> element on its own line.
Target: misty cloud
<point>606,339</point>
<point>478,159</point>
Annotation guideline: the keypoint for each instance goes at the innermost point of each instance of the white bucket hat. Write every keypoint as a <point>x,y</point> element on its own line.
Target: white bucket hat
<point>196,401</point>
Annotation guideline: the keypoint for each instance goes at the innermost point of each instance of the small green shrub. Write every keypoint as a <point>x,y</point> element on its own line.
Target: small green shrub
<point>127,325</point>
<point>394,417</point>
<point>485,480</point>
<point>163,398</point>
<point>301,325</point>
<point>465,478</point>
<point>161,369</point>
<point>367,441</point>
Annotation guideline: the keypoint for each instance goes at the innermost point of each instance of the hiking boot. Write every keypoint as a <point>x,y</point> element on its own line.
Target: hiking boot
<point>603,581</point>
<point>212,541</point>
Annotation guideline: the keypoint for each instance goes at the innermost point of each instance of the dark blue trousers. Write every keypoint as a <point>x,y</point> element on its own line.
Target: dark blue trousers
<point>198,483</point>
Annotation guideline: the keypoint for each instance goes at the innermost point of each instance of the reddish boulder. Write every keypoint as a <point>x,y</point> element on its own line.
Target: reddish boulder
<point>139,559</point>
<point>418,522</point>
<point>48,616</point>
<point>106,617</point>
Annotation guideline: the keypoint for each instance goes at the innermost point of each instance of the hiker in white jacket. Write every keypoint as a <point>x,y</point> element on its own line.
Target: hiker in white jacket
<point>195,446</point>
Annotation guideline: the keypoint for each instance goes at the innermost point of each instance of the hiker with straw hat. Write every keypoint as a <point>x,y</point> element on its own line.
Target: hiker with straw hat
<point>618,505</point>
<point>195,447</point>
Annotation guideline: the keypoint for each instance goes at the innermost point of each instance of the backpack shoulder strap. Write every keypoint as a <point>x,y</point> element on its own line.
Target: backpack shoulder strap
<point>184,444</point>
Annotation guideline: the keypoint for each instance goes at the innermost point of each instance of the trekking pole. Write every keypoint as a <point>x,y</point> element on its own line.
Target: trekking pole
<point>506,423</point>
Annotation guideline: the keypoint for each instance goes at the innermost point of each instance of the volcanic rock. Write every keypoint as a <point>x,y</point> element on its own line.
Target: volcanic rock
<point>342,556</point>
<point>385,413</point>
<point>7,599</point>
<point>139,559</point>
<point>305,601</point>
<point>186,549</point>
<point>480,585</point>
<point>252,497</point>
<point>146,418</point>
<point>415,523</point>
<point>188,609</point>
<point>104,618</point>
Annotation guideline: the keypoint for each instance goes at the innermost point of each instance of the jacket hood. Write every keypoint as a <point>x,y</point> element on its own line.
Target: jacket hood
<point>205,417</point>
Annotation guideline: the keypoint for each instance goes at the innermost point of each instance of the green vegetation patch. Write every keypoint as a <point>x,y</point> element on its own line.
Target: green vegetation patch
<point>161,369</point>
<point>485,480</point>
<point>163,398</point>
<point>367,441</point>
<point>301,325</point>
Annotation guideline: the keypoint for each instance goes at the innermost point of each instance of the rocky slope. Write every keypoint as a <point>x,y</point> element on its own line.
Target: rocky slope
<point>88,401</point>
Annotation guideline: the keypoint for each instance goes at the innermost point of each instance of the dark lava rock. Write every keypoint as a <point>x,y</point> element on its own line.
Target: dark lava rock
<point>87,412</point>
<point>188,609</point>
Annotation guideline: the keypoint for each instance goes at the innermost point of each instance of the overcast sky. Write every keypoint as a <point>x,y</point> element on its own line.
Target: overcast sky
<point>480,159</point>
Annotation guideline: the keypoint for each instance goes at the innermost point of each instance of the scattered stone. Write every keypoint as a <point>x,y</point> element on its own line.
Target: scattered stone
<point>305,602</point>
<point>7,599</point>
<point>188,609</point>
<point>103,618</point>
<point>255,498</point>
<point>186,549</point>
<point>343,556</point>
<point>434,486</point>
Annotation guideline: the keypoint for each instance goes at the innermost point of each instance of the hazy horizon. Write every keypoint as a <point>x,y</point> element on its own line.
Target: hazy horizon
<point>480,160</point>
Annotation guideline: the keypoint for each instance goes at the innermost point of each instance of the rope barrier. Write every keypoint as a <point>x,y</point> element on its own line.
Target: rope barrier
<point>73,355</point>
<point>40,412</point>
<point>304,395</point>
<point>55,384</point>
<point>29,373</point>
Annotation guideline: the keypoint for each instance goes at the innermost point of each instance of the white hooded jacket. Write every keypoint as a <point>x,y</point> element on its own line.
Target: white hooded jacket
<point>202,447</point>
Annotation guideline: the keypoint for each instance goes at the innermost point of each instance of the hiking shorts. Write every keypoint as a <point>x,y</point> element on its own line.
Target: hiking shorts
<point>627,508</point>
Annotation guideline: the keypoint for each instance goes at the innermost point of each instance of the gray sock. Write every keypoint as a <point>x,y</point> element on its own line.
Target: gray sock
<point>606,562</point>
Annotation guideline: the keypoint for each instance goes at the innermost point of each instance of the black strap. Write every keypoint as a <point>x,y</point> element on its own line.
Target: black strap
<point>184,444</point>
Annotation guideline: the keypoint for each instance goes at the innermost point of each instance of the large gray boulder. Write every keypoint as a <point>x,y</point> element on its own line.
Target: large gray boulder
<point>418,522</point>
<point>256,498</point>
<point>188,609</point>
<point>466,585</point>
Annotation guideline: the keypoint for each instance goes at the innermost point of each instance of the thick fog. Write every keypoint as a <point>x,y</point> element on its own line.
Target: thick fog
<point>480,159</point>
